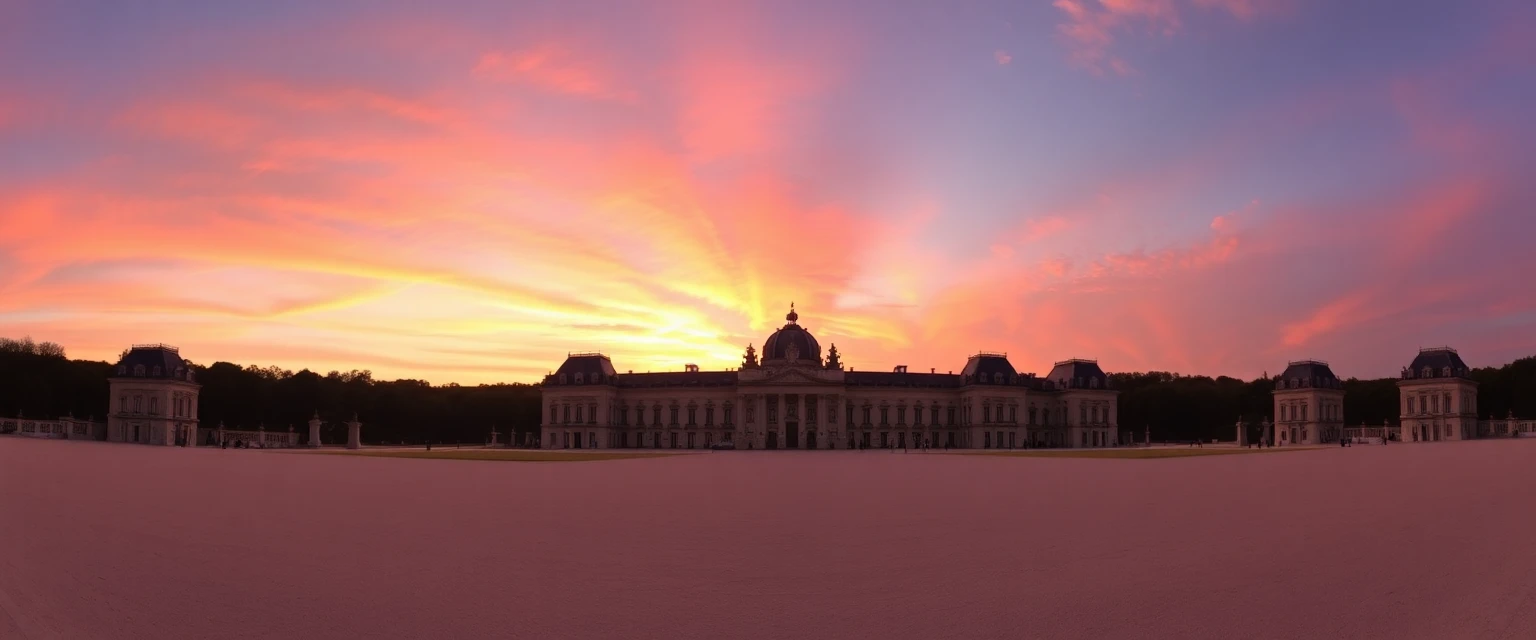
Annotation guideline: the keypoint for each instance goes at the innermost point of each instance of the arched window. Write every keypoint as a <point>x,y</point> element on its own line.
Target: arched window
<point>578,378</point>
<point>138,370</point>
<point>122,370</point>
<point>157,371</point>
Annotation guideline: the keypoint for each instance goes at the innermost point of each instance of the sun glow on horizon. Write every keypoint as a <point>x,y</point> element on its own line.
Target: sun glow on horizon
<point>467,193</point>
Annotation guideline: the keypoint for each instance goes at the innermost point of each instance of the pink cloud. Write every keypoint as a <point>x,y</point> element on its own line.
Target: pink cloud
<point>550,68</point>
<point>1002,57</point>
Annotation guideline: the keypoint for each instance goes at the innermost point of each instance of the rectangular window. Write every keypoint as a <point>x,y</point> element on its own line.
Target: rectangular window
<point>709,416</point>
<point>728,411</point>
<point>866,416</point>
<point>1434,404</point>
<point>674,418</point>
<point>1410,405</point>
<point>1013,417</point>
<point>1082,414</point>
<point>656,416</point>
<point>884,415</point>
<point>578,413</point>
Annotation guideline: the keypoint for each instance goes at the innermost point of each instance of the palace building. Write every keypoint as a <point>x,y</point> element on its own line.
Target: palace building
<point>1309,405</point>
<point>791,397</point>
<point>153,397</point>
<point>1439,398</point>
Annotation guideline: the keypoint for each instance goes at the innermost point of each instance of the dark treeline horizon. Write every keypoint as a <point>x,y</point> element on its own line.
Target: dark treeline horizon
<point>38,380</point>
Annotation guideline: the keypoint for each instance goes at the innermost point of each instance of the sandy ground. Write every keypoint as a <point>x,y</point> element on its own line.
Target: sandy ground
<point>1406,541</point>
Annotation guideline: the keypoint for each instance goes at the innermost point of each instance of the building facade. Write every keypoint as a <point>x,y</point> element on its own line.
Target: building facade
<point>153,398</point>
<point>794,398</point>
<point>1439,398</point>
<point>1309,405</point>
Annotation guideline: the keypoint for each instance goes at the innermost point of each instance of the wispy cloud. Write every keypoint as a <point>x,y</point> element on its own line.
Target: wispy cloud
<point>1092,26</point>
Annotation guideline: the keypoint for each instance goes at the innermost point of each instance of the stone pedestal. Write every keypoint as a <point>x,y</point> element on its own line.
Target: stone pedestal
<point>1242,434</point>
<point>493,437</point>
<point>354,434</point>
<point>314,431</point>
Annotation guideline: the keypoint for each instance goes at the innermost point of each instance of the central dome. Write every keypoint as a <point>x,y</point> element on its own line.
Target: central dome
<point>791,343</point>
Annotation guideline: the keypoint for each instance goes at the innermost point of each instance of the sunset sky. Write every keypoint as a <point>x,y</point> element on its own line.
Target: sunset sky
<point>466,191</point>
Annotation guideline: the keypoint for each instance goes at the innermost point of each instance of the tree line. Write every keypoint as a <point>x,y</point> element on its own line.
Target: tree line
<point>38,380</point>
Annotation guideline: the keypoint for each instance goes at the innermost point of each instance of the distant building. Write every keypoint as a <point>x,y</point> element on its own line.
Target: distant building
<point>1309,405</point>
<point>153,398</point>
<point>1439,398</point>
<point>796,399</point>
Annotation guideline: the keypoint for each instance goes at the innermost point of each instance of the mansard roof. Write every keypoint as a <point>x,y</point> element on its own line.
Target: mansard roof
<point>1440,362</point>
<point>1308,374</point>
<point>1078,374</point>
<point>158,361</point>
<point>989,368</point>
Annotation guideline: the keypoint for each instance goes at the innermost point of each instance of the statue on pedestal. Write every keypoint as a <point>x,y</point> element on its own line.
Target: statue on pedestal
<point>314,430</point>
<point>354,433</point>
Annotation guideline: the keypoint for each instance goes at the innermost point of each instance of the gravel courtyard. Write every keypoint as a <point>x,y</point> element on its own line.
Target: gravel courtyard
<point>1407,541</point>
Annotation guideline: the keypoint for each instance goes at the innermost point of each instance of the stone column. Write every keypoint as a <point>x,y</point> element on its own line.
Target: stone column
<point>314,430</point>
<point>802,423</point>
<point>354,433</point>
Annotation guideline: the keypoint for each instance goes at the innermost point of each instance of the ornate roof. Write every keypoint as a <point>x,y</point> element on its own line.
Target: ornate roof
<point>791,343</point>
